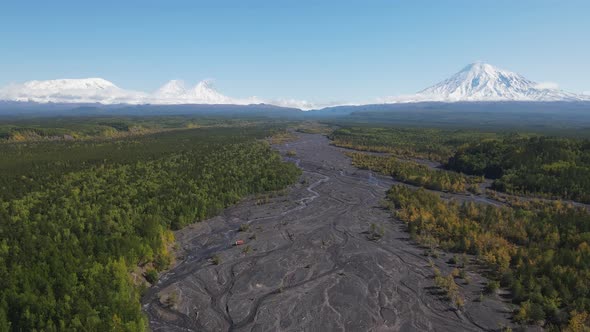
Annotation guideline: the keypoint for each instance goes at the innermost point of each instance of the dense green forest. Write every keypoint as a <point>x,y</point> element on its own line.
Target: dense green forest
<point>76,217</point>
<point>106,127</point>
<point>519,163</point>
<point>540,251</point>
<point>415,173</point>
<point>546,166</point>
<point>433,144</point>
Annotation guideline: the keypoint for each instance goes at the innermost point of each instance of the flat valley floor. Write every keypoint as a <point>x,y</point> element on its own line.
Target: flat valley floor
<point>307,263</point>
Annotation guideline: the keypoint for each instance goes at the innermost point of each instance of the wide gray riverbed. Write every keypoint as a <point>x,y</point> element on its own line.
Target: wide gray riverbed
<point>310,265</point>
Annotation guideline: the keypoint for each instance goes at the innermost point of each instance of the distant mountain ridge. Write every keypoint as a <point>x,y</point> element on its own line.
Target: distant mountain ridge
<point>98,90</point>
<point>477,82</point>
<point>15,109</point>
<point>86,90</point>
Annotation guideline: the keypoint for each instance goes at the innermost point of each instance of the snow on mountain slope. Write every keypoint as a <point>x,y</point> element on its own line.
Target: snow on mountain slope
<point>175,92</point>
<point>205,93</point>
<point>87,90</point>
<point>97,90</point>
<point>172,89</point>
<point>483,82</point>
<point>476,82</point>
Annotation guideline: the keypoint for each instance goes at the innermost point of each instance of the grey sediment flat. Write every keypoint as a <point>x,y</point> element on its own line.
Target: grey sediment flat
<point>311,266</point>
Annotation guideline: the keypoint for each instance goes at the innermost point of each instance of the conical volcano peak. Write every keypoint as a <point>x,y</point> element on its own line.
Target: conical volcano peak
<point>205,86</point>
<point>171,89</point>
<point>484,70</point>
<point>480,66</point>
<point>481,81</point>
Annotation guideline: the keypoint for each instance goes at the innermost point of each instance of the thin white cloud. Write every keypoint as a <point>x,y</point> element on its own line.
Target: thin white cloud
<point>303,104</point>
<point>547,86</point>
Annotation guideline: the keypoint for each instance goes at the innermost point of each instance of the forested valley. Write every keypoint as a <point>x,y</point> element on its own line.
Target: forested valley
<point>88,207</point>
<point>77,217</point>
<point>533,244</point>
<point>531,164</point>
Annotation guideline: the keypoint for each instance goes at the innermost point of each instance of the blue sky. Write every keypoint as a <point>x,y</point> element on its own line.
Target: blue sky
<point>313,50</point>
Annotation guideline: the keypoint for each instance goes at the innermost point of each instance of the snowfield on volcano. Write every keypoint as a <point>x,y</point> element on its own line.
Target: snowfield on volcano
<point>483,82</point>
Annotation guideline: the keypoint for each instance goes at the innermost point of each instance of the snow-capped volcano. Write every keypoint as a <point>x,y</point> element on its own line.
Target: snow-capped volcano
<point>476,82</point>
<point>71,84</point>
<point>98,90</point>
<point>484,82</point>
<point>172,89</point>
<point>175,92</point>
<point>86,90</point>
<point>205,93</point>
